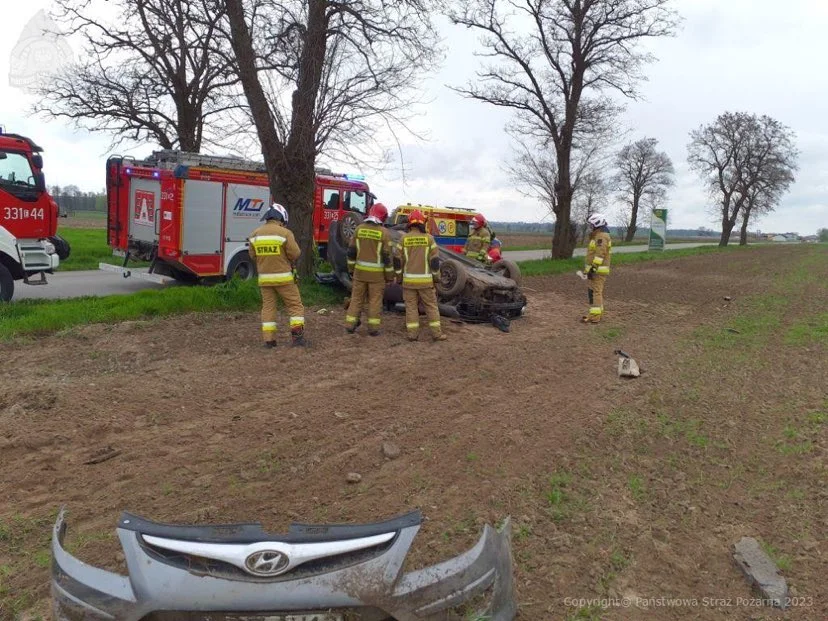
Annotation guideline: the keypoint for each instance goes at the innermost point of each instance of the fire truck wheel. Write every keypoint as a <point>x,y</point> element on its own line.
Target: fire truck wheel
<point>347,228</point>
<point>241,266</point>
<point>509,269</point>
<point>6,284</point>
<point>452,278</point>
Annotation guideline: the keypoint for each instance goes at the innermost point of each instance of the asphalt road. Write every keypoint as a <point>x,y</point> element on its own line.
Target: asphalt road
<point>83,283</point>
<point>98,283</point>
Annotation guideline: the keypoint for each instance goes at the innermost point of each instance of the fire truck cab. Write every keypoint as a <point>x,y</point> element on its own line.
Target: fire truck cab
<point>190,215</point>
<point>28,216</point>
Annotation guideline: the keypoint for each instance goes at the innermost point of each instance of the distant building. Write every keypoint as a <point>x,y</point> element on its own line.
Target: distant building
<point>784,237</point>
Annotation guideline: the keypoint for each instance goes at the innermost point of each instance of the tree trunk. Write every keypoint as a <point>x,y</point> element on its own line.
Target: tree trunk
<point>743,234</point>
<point>272,147</point>
<point>631,229</point>
<point>187,132</point>
<point>295,192</point>
<point>564,238</point>
<point>727,227</point>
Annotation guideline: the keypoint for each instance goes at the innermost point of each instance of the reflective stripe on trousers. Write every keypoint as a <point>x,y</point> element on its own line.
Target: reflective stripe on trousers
<point>417,279</point>
<point>282,278</point>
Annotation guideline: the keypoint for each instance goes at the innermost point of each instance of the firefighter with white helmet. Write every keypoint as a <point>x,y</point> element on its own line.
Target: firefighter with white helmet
<point>597,265</point>
<point>479,240</point>
<point>417,265</point>
<point>275,251</point>
<point>369,262</point>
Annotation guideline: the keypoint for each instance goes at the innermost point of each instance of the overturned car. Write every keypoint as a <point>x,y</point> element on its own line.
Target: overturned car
<point>313,573</point>
<point>466,289</point>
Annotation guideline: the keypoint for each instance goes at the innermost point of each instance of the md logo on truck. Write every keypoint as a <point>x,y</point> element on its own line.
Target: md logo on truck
<point>248,207</point>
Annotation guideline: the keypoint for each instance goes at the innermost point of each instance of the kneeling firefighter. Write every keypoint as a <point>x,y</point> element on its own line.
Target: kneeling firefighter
<point>597,265</point>
<point>417,265</point>
<point>369,263</point>
<point>275,251</point>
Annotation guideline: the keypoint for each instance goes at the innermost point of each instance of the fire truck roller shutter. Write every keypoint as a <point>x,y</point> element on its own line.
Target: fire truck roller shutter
<point>202,217</point>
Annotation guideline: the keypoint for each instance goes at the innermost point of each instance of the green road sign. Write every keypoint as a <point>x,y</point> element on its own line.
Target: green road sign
<point>658,229</point>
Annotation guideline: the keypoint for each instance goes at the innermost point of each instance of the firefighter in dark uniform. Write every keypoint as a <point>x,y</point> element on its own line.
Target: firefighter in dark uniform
<point>479,240</point>
<point>416,265</point>
<point>597,265</point>
<point>275,251</point>
<point>369,263</point>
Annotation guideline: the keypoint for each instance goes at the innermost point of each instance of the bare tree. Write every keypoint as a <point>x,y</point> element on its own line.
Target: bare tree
<point>643,176</point>
<point>341,72</point>
<point>535,172</point>
<point>535,169</point>
<point>150,71</point>
<point>742,157</point>
<point>557,72</point>
<point>590,197</point>
<point>769,172</point>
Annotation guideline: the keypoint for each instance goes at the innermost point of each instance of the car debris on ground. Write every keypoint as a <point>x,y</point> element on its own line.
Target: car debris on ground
<point>627,367</point>
<point>313,572</point>
<point>761,571</point>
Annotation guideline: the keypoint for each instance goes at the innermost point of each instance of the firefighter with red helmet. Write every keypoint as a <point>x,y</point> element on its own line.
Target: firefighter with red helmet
<point>369,263</point>
<point>597,265</point>
<point>417,265</point>
<point>275,251</point>
<point>479,240</point>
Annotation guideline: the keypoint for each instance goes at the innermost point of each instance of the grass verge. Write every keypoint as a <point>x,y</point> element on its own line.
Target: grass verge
<point>32,317</point>
<point>548,267</point>
<point>88,248</point>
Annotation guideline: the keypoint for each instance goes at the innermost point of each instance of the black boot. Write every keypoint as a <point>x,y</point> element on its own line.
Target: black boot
<point>270,344</point>
<point>353,328</point>
<point>297,337</point>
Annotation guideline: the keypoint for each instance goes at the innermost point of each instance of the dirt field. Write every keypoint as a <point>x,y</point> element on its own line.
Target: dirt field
<point>520,240</point>
<point>616,488</point>
<point>81,220</point>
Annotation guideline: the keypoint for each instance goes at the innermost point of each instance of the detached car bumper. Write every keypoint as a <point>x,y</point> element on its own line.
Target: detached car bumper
<point>312,573</point>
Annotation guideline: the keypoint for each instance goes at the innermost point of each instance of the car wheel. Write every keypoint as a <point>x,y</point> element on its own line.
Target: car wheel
<point>6,284</point>
<point>452,278</point>
<point>509,269</point>
<point>347,228</point>
<point>241,266</point>
<point>62,247</point>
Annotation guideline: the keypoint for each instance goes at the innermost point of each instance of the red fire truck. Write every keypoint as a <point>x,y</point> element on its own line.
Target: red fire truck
<point>190,215</point>
<point>28,216</point>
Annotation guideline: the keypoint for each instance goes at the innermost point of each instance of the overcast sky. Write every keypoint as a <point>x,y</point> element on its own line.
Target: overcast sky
<point>761,56</point>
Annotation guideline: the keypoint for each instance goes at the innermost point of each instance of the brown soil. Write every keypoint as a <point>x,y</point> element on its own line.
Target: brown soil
<point>80,221</point>
<point>517,240</point>
<point>615,488</point>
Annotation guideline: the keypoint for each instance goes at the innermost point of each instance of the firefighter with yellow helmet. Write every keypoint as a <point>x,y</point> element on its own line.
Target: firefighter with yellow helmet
<point>597,265</point>
<point>369,262</point>
<point>416,265</point>
<point>275,251</point>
